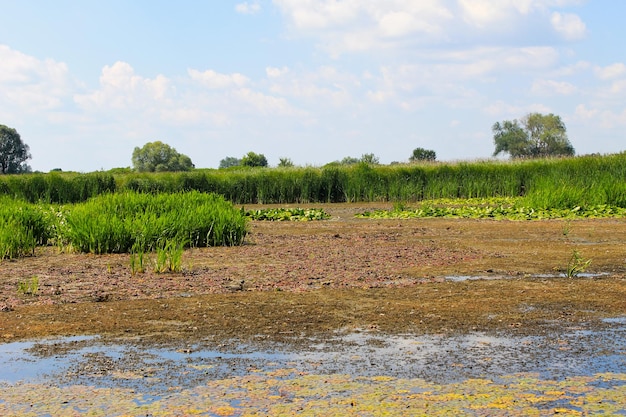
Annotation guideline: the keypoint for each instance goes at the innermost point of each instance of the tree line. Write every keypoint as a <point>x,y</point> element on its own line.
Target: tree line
<point>533,136</point>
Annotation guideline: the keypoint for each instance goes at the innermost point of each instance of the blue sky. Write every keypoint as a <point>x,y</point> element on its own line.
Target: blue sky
<point>85,82</point>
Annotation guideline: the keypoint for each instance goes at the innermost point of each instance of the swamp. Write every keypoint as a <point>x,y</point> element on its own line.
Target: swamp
<point>350,315</point>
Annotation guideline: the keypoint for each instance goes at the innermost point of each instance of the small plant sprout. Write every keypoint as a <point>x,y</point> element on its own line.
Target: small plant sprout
<point>137,260</point>
<point>576,265</point>
<point>169,255</point>
<point>567,227</point>
<point>29,286</point>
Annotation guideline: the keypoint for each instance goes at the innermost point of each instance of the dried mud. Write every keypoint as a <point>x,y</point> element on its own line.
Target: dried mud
<point>298,279</point>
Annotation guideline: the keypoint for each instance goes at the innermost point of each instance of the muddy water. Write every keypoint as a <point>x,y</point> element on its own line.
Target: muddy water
<point>440,359</point>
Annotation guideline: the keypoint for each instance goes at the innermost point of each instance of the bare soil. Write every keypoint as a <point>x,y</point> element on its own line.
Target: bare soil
<point>294,279</point>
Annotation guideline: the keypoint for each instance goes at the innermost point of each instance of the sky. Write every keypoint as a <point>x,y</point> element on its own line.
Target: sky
<point>84,82</point>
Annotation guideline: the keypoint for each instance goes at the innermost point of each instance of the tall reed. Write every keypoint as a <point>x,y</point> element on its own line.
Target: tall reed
<point>593,179</point>
<point>116,223</point>
<point>22,227</point>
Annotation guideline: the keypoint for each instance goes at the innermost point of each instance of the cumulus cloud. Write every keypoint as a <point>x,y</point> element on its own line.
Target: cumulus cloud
<point>215,80</point>
<point>273,72</point>
<point>323,86</point>
<point>120,88</point>
<point>552,87</point>
<point>30,84</point>
<point>611,71</point>
<point>368,25</point>
<point>501,109</point>
<point>359,25</point>
<point>568,26</point>
<point>248,8</point>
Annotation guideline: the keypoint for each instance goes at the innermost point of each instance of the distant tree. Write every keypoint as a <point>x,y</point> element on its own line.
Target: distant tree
<point>535,136</point>
<point>348,160</point>
<point>285,163</point>
<point>421,154</point>
<point>13,152</point>
<point>159,157</point>
<point>370,159</point>
<point>230,161</point>
<point>252,159</point>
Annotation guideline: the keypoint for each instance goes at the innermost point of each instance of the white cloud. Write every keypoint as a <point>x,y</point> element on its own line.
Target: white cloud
<point>360,25</point>
<point>501,109</point>
<point>120,88</point>
<point>273,72</point>
<point>248,8</point>
<point>484,13</point>
<point>582,112</point>
<point>29,84</point>
<point>569,26</point>
<point>215,80</point>
<point>611,71</point>
<point>370,25</point>
<point>604,118</point>
<point>323,86</point>
<point>552,87</point>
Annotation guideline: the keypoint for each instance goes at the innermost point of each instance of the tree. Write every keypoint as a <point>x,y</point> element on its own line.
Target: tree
<point>535,136</point>
<point>421,154</point>
<point>158,157</point>
<point>252,159</point>
<point>370,159</point>
<point>230,161</point>
<point>13,152</point>
<point>349,160</point>
<point>285,163</point>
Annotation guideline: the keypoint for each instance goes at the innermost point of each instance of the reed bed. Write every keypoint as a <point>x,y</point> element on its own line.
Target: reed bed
<point>130,221</point>
<point>545,183</point>
<point>122,223</point>
<point>22,228</point>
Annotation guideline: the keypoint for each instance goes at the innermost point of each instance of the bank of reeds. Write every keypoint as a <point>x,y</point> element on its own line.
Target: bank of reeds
<point>22,228</point>
<point>121,223</point>
<point>545,183</point>
<point>130,221</point>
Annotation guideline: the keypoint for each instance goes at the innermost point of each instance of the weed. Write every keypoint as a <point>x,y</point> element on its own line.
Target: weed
<point>169,254</point>
<point>137,261</point>
<point>576,265</point>
<point>567,227</point>
<point>28,287</point>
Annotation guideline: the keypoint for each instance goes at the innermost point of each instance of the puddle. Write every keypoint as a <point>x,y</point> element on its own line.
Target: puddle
<point>461,278</point>
<point>439,359</point>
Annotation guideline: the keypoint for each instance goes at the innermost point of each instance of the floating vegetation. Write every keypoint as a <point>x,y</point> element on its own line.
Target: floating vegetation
<point>494,208</point>
<point>287,214</point>
<point>290,392</point>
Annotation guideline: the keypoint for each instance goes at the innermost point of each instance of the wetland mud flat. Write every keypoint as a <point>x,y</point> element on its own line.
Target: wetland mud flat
<point>340,314</point>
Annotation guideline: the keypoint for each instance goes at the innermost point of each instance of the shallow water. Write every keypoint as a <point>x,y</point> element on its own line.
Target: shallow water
<point>440,359</point>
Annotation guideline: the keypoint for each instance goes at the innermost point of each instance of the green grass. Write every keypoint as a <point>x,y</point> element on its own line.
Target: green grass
<point>125,222</point>
<point>122,223</point>
<point>545,183</point>
<point>22,228</point>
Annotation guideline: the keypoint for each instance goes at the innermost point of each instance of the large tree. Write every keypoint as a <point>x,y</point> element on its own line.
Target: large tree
<point>252,159</point>
<point>229,161</point>
<point>535,136</point>
<point>13,152</point>
<point>421,154</point>
<point>158,156</point>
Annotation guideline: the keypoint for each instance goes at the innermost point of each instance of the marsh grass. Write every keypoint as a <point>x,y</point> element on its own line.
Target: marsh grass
<point>133,222</point>
<point>545,183</point>
<point>22,228</point>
